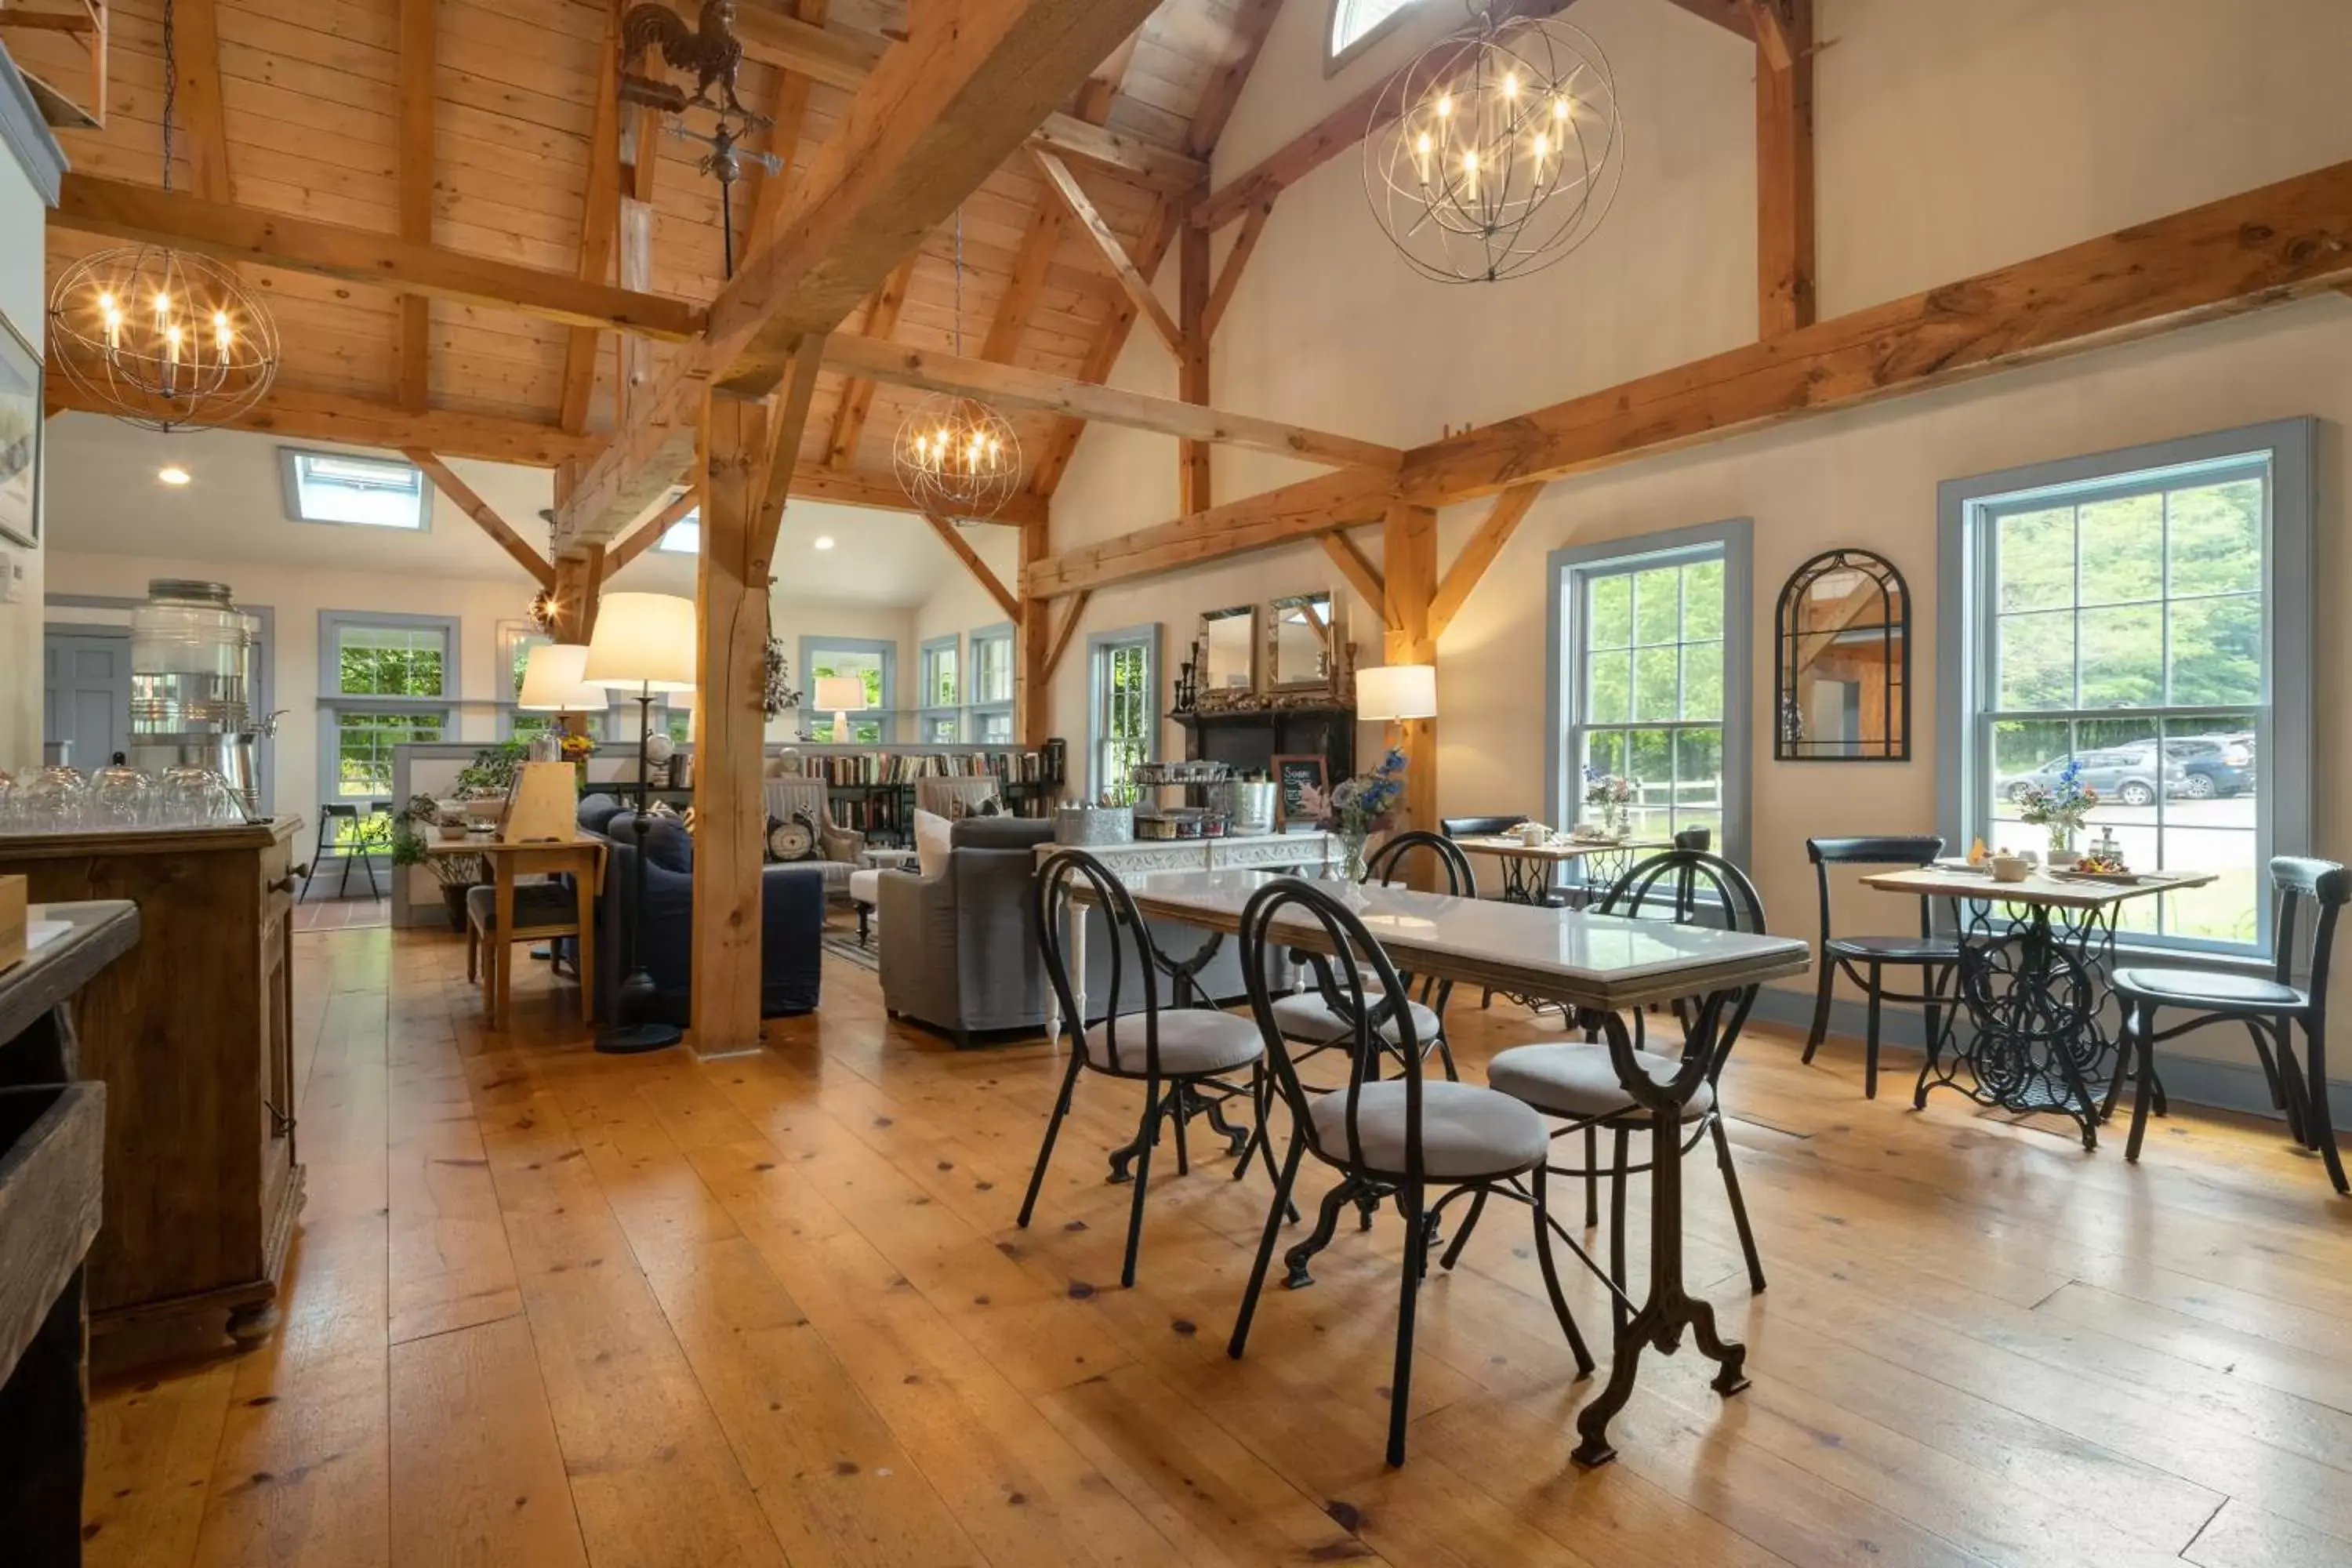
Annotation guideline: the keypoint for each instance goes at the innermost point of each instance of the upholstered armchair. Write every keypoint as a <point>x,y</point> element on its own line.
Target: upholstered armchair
<point>955,798</point>
<point>840,851</point>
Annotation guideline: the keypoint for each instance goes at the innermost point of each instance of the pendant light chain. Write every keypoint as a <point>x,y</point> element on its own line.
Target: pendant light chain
<point>171,91</point>
<point>958,282</point>
<point>956,457</point>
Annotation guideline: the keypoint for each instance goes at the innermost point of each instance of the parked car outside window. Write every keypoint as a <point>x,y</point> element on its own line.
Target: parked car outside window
<point>2214,767</point>
<point>2128,777</point>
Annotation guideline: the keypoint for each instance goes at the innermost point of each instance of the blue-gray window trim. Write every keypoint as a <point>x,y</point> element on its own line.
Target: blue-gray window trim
<point>2284,752</point>
<point>1733,539</point>
<point>332,701</point>
<point>886,715</point>
<point>1149,635</point>
<point>927,711</point>
<point>996,631</point>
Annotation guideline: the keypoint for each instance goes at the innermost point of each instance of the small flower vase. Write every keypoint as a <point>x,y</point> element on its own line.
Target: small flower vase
<point>1351,856</point>
<point>2060,851</point>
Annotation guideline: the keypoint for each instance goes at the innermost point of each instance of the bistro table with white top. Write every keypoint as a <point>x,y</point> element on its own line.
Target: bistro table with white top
<point>1528,869</point>
<point>1602,964</point>
<point>2035,958</point>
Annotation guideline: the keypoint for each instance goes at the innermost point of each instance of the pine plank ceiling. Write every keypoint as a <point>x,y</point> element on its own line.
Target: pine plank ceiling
<point>309,105</point>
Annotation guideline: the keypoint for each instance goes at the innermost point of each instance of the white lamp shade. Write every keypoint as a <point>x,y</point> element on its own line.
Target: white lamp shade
<point>642,642</point>
<point>552,683</point>
<point>683,702</point>
<point>840,694</point>
<point>1397,691</point>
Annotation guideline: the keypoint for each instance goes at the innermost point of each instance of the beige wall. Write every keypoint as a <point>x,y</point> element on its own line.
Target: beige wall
<point>1950,141</point>
<point>24,295</point>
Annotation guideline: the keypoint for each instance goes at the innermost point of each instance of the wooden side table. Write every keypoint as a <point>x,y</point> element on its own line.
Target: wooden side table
<point>583,859</point>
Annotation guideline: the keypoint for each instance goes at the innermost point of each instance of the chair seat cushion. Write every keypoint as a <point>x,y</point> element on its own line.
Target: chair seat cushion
<point>1306,1017</point>
<point>1897,949</point>
<point>1467,1131</point>
<point>1192,1041</point>
<point>536,906</point>
<point>1575,1078</point>
<point>2204,987</point>
<point>865,888</point>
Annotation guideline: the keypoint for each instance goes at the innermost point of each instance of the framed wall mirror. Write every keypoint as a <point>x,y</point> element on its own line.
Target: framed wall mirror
<point>1300,638</point>
<point>1229,652</point>
<point>1842,685</point>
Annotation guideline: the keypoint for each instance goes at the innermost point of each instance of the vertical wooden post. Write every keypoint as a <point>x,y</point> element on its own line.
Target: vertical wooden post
<point>1408,572</point>
<point>1784,166</point>
<point>1031,707</point>
<point>732,622</point>
<point>1192,285</point>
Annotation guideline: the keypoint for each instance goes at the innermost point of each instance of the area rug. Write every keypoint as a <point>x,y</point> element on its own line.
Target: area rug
<point>843,944</point>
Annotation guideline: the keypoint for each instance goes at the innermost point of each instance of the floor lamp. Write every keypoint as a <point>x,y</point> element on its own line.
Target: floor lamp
<point>642,644</point>
<point>551,684</point>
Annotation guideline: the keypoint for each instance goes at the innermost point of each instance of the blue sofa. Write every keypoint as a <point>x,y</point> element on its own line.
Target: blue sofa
<point>792,928</point>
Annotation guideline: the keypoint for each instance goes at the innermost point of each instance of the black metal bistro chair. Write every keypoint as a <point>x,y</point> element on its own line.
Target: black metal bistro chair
<point>1576,1082</point>
<point>1399,1137</point>
<point>1174,1053</point>
<point>1315,1018</point>
<point>363,841</point>
<point>2270,1009</point>
<point>1866,959</point>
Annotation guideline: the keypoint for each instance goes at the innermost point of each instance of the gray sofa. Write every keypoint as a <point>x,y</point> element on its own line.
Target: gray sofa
<point>960,950</point>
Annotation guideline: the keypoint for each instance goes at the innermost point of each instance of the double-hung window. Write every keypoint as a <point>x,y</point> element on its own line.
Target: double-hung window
<point>1650,684</point>
<point>942,692</point>
<point>384,681</point>
<point>2146,615</point>
<point>873,662</point>
<point>992,684</point>
<point>1123,715</point>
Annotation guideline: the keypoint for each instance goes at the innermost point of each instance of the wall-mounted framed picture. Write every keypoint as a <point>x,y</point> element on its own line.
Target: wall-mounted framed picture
<point>20,437</point>
<point>1300,793</point>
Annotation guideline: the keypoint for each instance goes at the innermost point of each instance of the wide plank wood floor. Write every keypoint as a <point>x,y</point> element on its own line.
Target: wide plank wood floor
<point>548,1306</point>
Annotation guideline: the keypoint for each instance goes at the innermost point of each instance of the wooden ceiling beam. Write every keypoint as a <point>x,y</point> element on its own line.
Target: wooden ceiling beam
<point>1343,500</point>
<point>1336,132</point>
<point>849,415</point>
<point>1229,275</point>
<point>600,222</point>
<point>121,210</point>
<point>1107,246</point>
<point>417,49</point>
<point>1784,170</point>
<point>1101,90</point>
<point>649,533</point>
<point>299,414</point>
<point>1069,629</point>
<point>780,473</point>
<point>1252,19</point>
<point>1360,573</point>
<point>1502,520</point>
<point>937,117</point>
<point>195,45</point>
<point>469,502</point>
<point>1012,386</point>
<point>783,139</point>
<point>871,487</point>
<point>952,537</point>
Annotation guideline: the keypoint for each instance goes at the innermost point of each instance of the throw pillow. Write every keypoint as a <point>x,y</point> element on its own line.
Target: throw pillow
<point>986,805</point>
<point>793,840</point>
<point>931,843</point>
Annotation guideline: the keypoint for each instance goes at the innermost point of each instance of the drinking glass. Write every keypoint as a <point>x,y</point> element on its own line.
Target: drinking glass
<point>122,796</point>
<point>187,797</point>
<point>54,800</point>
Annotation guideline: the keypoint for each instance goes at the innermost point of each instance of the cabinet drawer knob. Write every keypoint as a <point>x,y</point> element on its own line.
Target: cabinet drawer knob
<point>286,884</point>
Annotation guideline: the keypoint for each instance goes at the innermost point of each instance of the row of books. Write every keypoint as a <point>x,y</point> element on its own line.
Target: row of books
<point>1041,767</point>
<point>886,817</point>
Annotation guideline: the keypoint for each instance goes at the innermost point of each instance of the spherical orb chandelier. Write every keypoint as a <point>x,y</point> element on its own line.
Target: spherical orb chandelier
<point>165,339</point>
<point>957,457</point>
<point>1498,151</point>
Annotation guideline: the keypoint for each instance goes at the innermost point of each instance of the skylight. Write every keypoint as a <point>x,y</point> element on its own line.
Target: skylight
<point>684,537</point>
<point>1354,21</point>
<point>360,492</point>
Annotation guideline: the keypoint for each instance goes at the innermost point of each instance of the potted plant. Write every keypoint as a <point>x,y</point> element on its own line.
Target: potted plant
<point>454,873</point>
<point>487,780</point>
<point>1358,808</point>
<point>2058,809</point>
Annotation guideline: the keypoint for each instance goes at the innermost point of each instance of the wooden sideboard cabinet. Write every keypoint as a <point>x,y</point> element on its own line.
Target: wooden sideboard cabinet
<point>193,1035</point>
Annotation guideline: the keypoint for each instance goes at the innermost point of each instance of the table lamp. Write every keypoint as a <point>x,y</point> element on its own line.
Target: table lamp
<point>1397,691</point>
<point>551,684</point>
<point>840,695</point>
<point>643,643</point>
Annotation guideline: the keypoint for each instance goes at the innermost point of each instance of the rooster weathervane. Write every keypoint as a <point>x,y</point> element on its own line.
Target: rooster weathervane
<point>712,52</point>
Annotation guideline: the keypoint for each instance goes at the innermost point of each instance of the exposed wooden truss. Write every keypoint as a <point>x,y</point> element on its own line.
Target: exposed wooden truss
<point>1502,521</point>
<point>1194,472</point>
<point>301,415</point>
<point>87,22</point>
<point>1229,275</point>
<point>1106,244</point>
<point>485,516</point>
<point>648,533</point>
<point>849,415</point>
<point>90,204</point>
<point>417,49</point>
<point>195,36</point>
<point>952,537</point>
<point>935,117</point>
<point>1784,166</point>
<point>1360,573</point>
<point>1014,388</point>
<point>600,221</point>
<point>1316,506</point>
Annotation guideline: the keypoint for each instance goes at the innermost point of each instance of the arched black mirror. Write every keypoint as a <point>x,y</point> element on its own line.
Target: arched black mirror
<point>1843,691</point>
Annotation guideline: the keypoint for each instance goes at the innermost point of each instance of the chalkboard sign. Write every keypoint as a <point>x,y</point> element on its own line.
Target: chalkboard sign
<point>1299,794</point>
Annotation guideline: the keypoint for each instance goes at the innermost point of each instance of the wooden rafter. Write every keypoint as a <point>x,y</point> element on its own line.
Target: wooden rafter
<point>952,537</point>
<point>1337,500</point>
<point>121,210</point>
<point>1360,573</point>
<point>1252,19</point>
<point>1194,469</point>
<point>781,139</point>
<point>1229,275</point>
<point>299,414</point>
<point>1335,133</point>
<point>1107,246</point>
<point>1069,628</point>
<point>1784,166</point>
<point>937,116</point>
<point>600,221</point>
<point>780,475</point>
<point>1502,520</point>
<point>849,415</point>
<point>195,43</point>
<point>1013,386</point>
<point>485,516</point>
<point>1101,90</point>
<point>417,48</point>
<point>649,532</point>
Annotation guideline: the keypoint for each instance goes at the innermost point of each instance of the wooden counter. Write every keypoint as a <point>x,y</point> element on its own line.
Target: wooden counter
<point>193,1036</point>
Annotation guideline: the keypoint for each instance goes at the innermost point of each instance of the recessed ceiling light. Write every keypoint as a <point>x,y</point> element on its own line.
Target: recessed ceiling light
<point>824,541</point>
<point>175,475</point>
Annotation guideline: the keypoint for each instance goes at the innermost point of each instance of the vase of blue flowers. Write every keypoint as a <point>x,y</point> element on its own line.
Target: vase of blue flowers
<point>1361,806</point>
<point>2058,808</point>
